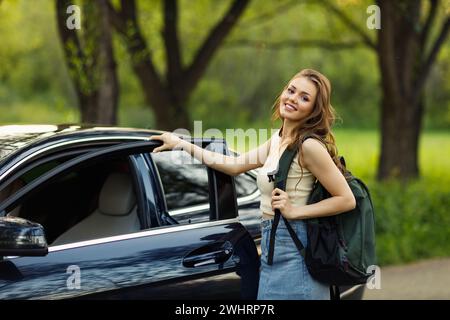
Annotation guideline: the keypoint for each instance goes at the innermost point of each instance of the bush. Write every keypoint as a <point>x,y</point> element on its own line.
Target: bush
<point>412,221</point>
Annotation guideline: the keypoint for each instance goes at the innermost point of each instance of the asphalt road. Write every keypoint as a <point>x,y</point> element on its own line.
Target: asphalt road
<point>424,280</point>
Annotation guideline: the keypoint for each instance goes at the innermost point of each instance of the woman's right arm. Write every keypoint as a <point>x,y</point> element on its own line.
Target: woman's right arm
<point>230,165</point>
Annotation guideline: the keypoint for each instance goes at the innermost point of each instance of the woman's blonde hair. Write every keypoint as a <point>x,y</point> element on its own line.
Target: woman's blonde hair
<point>318,124</point>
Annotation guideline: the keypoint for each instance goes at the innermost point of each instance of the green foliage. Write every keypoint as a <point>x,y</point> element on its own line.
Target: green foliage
<point>412,221</point>
<point>46,110</point>
<point>250,77</point>
<point>267,70</point>
<point>31,60</point>
<point>437,98</point>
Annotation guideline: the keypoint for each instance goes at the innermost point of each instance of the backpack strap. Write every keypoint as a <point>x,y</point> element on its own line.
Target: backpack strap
<point>280,182</point>
<point>335,292</point>
<point>295,238</point>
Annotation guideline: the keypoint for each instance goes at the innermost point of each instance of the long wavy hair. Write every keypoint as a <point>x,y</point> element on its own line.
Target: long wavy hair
<point>318,124</point>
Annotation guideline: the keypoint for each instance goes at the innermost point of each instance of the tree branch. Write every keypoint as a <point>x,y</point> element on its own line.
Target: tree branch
<point>212,43</point>
<point>124,18</point>
<point>428,62</point>
<point>171,42</point>
<point>71,46</point>
<point>116,19</point>
<point>126,23</point>
<point>295,44</point>
<point>108,94</point>
<point>429,22</point>
<point>128,9</point>
<point>350,23</point>
<point>264,17</point>
<point>386,52</point>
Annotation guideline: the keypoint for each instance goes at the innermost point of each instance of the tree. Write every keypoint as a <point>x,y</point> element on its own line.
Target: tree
<point>90,60</point>
<point>168,94</point>
<point>406,54</point>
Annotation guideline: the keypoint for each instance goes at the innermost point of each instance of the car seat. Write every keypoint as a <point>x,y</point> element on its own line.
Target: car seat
<point>116,213</point>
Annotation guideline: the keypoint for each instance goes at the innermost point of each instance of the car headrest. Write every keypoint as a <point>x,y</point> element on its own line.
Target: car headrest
<point>117,196</point>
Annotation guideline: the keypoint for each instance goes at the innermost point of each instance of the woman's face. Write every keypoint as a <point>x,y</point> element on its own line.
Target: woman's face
<point>297,101</point>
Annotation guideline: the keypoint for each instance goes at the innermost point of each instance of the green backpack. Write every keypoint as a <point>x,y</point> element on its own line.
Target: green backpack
<point>341,247</point>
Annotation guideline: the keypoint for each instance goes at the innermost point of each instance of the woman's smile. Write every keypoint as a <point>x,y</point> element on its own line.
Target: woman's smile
<point>297,99</point>
<point>290,107</point>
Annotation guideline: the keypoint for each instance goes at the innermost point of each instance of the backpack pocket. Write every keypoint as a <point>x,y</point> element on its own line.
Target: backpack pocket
<point>322,251</point>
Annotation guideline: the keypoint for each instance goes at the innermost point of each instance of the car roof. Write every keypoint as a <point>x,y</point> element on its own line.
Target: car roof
<point>18,140</point>
<point>14,138</point>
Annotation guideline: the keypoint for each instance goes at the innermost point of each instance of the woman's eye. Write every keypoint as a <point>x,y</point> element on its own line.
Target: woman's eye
<point>305,99</point>
<point>290,91</point>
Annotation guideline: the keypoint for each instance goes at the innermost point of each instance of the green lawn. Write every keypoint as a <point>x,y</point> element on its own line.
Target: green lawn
<point>412,220</point>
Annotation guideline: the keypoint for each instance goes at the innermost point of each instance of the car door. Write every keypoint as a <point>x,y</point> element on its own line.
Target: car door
<point>163,261</point>
<point>248,199</point>
<point>195,197</point>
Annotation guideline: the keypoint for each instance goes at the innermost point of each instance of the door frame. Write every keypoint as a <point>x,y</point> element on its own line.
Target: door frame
<point>78,162</point>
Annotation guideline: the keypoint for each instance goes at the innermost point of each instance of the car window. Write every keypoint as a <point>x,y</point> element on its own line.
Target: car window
<point>93,201</point>
<point>30,175</point>
<point>31,172</point>
<point>245,185</point>
<point>185,183</point>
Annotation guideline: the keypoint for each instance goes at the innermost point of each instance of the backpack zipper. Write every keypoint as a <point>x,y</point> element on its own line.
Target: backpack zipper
<point>343,244</point>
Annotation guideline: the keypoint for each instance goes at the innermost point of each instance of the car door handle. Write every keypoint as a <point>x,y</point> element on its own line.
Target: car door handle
<point>208,255</point>
<point>216,257</point>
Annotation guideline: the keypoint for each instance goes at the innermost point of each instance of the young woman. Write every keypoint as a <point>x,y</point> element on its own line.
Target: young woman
<point>307,116</point>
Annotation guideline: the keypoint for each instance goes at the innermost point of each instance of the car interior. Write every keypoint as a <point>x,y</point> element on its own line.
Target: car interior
<point>86,203</point>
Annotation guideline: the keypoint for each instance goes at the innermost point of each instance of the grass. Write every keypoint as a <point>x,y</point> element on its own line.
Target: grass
<point>412,219</point>
<point>37,112</point>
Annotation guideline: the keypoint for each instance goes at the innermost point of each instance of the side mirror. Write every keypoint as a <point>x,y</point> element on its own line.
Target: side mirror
<point>20,237</point>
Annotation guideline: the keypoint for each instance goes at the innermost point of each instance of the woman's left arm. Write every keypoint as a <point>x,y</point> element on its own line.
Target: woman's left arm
<point>317,160</point>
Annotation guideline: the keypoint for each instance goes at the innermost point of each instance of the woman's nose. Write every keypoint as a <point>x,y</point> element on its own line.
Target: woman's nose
<point>293,99</point>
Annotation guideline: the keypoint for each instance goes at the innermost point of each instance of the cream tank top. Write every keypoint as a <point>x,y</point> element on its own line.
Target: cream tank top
<point>298,192</point>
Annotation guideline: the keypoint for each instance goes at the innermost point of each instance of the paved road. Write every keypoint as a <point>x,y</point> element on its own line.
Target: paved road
<point>429,279</point>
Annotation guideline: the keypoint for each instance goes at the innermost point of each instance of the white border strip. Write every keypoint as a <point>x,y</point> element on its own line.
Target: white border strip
<point>203,207</point>
<point>140,234</point>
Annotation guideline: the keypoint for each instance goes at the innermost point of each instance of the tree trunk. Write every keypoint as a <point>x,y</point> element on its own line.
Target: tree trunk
<point>168,94</point>
<point>399,56</point>
<point>91,63</point>
<point>404,63</point>
<point>172,117</point>
<point>108,91</point>
<point>400,127</point>
<point>169,113</point>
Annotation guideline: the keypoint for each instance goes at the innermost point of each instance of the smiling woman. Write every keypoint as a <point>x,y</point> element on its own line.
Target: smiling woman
<point>301,99</point>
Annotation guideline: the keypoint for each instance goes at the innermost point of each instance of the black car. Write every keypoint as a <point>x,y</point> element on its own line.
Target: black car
<point>89,212</point>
